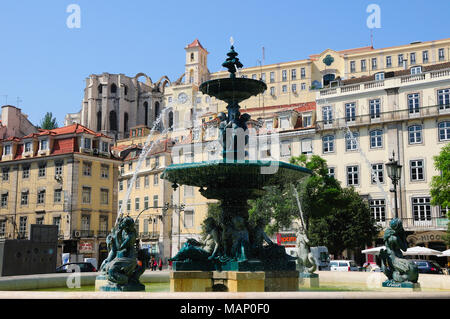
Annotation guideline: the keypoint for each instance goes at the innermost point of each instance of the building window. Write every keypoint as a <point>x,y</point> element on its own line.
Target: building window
<point>272,90</point>
<point>7,150</point>
<point>272,77</point>
<point>4,200</point>
<point>57,196</point>
<point>400,59</point>
<point>155,200</point>
<point>306,145</point>
<point>293,74</point>
<point>104,196</point>
<point>87,143</point>
<point>412,58</point>
<point>421,208</point>
<point>58,168</point>
<point>415,134</point>
<point>303,86</point>
<point>42,169</point>
<point>284,122</point>
<point>413,103</point>
<point>416,70</point>
<point>351,141</point>
<point>263,77</point>
<point>120,185</point>
<point>145,202</point>
<point>2,228</point>
<point>188,218</point>
<point>388,61</point>
<point>39,220</point>
<point>24,198</point>
<point>5,174</point>
<point>294,88</point>
<point>284,75</point>
<point>331,172</point>
<point>377,172</point>
<point>307,120</point>
<point>87,168</point>
<point>417,170</point>
<point>441,54</point>
<point>44,144</point>
<point>23,226</point>
<point>155,179</point>
<point>129,205</point>
<point>352,175</point>
<point>379,76</point>
<point>136,203</point>
<point>86,195</point>
<point>104,171</point>
<point>269,124</point>
<point>328,143</point>
<point>57,222</point>
<point>352,66</point>
<point>303,73</point>
<point>327,113</point>
<point>146,181</point>
<point>444,131</point>
<point>363,65</point>
<point>120,204</point>
<point>374,63</point>
<point>425,56</point>
<point>375,108</point>
<point>350,112</point>
<point>41,196</point>
<point>105,147</point>
<point>137,182</point>
<point>25,171</point>
<point>376,138</point>
<point>156,161</point>
<point>284,88</point>
<point>285,149</point>
<point>85,223</point>
<point>27,147</point>
<point>378,209</point>
<point>444,99</point>
<point>103,227</point>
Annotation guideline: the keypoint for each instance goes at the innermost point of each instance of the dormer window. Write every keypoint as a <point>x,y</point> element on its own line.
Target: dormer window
<point>27,147</point>
<point>87,143</point>
<point>269,124</point>
<point>379,76</point>
<point>7,150</point>
<point>416,70</point>
<point>105,147</point>
<point>44,145</point>
<point>284,122</point>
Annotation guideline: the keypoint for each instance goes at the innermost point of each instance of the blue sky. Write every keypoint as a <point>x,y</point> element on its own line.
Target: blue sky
<point>45,63</point>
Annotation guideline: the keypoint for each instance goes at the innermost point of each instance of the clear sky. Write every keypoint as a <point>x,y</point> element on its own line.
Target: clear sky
<point>45,63</point>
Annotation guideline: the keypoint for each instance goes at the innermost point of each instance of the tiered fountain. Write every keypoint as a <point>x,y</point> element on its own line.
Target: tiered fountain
<point>239,255</point>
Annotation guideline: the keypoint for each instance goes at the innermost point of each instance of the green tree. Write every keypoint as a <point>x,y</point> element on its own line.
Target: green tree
<point>48,122</point>
<point>440,184</point>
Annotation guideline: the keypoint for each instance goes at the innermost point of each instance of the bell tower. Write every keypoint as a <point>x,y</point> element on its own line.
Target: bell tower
<point>196,67</point>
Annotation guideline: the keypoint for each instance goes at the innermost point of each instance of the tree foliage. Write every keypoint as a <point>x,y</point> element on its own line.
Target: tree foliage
<point>440,184</point>
<point>48,122</point>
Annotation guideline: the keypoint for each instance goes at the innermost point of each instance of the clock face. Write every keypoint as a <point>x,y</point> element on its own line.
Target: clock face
<point>182,98</point>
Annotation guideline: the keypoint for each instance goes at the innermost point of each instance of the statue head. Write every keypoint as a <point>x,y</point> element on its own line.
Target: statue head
<point>396,224</point>
<point>245,117</point>
<point>127,223</point>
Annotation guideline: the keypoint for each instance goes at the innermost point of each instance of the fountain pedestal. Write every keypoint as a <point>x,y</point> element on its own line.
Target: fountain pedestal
<point>307,280</point>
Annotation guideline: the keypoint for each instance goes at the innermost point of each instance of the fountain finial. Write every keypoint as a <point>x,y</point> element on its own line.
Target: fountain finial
<point>232,63</point>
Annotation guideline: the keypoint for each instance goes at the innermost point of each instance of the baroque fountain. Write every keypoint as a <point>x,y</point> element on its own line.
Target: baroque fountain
<point>236,254</point>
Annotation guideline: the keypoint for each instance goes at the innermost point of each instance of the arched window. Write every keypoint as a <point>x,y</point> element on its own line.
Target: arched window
<point>192,57</point>
<point>125,123</point>
<point>113,88</point>
<point>99,121</point>
<point>157,110</point>
<point>170,121</point>
<point>112,121</point>
<point>146,113</point>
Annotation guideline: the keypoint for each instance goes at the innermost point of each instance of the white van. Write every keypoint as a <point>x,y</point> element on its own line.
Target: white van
<point>343,265</point>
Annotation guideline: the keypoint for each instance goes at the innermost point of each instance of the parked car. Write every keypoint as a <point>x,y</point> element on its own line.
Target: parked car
<point>70,267</point>
<point>428,266</point>
<point>343,265</point>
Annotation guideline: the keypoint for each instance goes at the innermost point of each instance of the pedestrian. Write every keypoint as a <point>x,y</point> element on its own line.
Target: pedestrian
<point>160,264</point>
<point>153,263</point>
<point>170,264</point>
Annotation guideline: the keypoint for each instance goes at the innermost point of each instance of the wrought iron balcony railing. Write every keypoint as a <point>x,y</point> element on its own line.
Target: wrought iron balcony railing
<point>430,223</point>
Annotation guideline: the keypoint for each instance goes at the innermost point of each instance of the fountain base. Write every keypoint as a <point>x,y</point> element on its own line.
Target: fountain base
<point>103,284</point>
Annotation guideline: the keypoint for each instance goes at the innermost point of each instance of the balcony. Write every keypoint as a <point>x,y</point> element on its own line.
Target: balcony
<point>384,117</point>
<point>149,235</point>
<point>102,233</point>
<point>83,233</point>
<point>411,224</point>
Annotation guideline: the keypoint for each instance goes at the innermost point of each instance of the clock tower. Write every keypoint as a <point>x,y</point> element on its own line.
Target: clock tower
<point>196,69</point>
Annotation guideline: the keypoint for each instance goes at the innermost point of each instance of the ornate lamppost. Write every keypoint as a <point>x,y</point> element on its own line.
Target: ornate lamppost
<point>394,171</point>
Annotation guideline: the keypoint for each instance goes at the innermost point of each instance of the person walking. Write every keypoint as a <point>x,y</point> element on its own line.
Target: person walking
<point>160,264</point>
<point>153,263</point>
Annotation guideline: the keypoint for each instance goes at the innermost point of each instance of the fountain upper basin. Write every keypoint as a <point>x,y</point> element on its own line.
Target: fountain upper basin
<point>232,90</point>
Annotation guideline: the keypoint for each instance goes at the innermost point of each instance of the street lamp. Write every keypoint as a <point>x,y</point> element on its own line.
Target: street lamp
<point>394,170</point>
